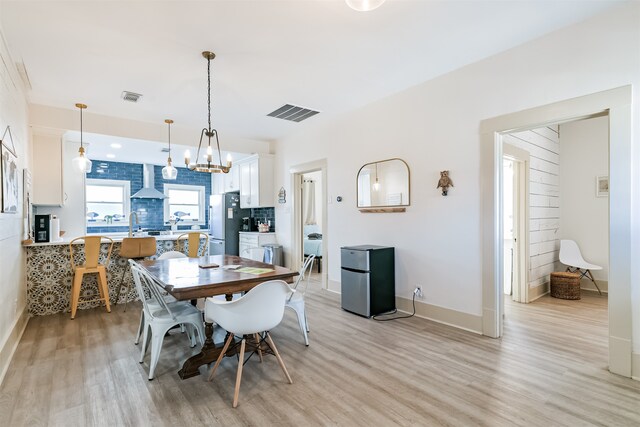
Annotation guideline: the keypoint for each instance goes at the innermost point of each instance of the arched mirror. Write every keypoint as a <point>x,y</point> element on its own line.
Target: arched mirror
<point>383,186</point>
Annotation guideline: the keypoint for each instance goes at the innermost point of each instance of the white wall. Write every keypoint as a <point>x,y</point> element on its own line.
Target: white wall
<point>584,147</point>
<point>435,126</point>
<point>544,201</point>
<point>13,112</point>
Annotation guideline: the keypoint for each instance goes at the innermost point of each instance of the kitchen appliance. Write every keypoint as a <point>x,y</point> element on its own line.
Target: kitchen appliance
<point>43,228</point>
<point>246,223</point>
<point>148,190</point>
<point>226,221</point>
<point>368,279</point>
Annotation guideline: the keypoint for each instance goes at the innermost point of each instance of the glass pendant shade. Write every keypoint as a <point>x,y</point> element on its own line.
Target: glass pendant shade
<point>364,5</point>
<point>169,172</point>
<point>81,163</point>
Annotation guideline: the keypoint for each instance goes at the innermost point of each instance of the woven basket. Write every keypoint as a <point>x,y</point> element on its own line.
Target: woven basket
<point>565,285</point>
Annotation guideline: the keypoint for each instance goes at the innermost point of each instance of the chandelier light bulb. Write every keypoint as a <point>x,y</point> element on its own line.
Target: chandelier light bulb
<point>187,157</point>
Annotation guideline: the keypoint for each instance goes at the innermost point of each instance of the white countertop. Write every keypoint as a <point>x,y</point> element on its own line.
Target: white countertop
<point>117,238</point>
<point>256,232</point>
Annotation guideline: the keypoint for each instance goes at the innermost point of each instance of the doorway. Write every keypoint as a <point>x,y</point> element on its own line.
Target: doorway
<point>310,217</point>
<point>615,104</point>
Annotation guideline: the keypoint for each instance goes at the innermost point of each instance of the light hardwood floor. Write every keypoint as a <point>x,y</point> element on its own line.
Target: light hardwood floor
<point>548,370</point>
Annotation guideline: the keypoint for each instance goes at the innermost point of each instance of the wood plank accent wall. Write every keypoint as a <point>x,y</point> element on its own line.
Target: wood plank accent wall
<point>543,145</point>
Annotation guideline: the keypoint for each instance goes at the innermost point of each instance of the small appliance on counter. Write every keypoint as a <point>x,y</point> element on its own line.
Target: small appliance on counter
<point>54,229</point>
<point>368,279</point>
<point>246,223</point>
<point>43,228</point>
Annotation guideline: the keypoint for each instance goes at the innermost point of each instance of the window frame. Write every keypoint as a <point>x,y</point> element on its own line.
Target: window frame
<point>201,189</point>
<point>126,203</point>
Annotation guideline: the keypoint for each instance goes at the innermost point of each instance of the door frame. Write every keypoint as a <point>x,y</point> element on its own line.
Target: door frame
<point>521,158</point>
<point>617,105</point>
<point>296,172</point>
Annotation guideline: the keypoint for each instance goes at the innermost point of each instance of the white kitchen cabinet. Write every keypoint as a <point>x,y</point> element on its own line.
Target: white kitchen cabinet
<point>226,182</point>
<point>253,239</point>
<point>256,181</point>
<point>47,170</point>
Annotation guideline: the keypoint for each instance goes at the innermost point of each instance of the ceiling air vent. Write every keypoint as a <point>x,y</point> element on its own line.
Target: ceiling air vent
<point>292,113</point>
<point>131,96</point>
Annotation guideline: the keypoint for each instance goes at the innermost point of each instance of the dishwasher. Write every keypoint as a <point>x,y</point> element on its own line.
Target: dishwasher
<point>368,279</point>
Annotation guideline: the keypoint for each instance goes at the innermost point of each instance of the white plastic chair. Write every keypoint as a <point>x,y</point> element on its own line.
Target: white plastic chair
<point>254,314</point>
<point>254,253</point>
<point>571,257</point>
<point>295,300</point>
<point>160,316</point>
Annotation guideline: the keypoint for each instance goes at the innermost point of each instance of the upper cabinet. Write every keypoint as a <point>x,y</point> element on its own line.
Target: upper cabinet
<point>47,170</point>
<point>226,182</point>
<point>256,181</point>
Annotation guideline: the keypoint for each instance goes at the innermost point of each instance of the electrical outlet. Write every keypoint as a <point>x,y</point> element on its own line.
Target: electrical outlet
<point>418,291</point>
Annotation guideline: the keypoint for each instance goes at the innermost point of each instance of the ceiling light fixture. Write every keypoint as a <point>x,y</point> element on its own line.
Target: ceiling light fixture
<point>209,166</point>
<point>81,163</point>
<point>111,156</point>
<point>115,145</point>
<point>169,172</point>
<point>364,5</point>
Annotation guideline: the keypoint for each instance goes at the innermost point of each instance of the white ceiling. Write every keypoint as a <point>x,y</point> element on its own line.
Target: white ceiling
<point>316,54</point>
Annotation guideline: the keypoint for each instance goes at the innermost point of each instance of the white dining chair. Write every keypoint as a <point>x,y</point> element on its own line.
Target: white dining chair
<point>295,300</point>
<point>253,315</point>
<point>160,316</point>
<point>571,256</point>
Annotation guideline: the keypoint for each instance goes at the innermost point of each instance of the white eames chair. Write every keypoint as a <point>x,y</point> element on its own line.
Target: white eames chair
<point>571,257</point>
<point>172,254</point>
<point>160,316</point>
<point>295,299</point>
<point>253,315</point>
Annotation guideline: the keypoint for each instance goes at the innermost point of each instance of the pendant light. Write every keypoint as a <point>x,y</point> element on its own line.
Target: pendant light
<point>364,5</point>
<point>81,163</point>
<point>208,166</point>
<point>169,172</point>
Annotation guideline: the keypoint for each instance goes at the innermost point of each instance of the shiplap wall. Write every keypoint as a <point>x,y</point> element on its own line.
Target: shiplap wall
<point>543,146</point>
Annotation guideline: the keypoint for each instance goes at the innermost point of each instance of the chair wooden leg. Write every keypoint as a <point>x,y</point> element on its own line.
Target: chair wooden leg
<point>221,356</point>
<point>102,282</point>
<point>257,338</point>
<point>75,293</point>
<point>594,281</point>
<point>236,392</point>
<point>280,361</point>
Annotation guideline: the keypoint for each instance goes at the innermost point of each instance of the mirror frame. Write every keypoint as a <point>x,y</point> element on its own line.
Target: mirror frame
<point>385,208</point>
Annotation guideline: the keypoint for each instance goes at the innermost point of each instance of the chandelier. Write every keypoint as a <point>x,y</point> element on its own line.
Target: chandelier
<point>169,172</point>
<point>364,5</point>
<point>81,163</point>
<point>208,166</point>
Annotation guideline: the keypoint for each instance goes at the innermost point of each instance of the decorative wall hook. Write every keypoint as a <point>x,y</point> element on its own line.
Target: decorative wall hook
<point>282,195</point>
<point>444,182</point>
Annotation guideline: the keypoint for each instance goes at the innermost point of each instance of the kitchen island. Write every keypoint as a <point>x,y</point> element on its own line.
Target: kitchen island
<point>49,276</point>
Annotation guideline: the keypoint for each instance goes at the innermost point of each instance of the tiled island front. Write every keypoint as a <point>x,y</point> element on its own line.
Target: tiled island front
<point>49,276</point>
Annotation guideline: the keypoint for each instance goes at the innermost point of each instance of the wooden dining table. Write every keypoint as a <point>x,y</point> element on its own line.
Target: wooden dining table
<point>185,280</point>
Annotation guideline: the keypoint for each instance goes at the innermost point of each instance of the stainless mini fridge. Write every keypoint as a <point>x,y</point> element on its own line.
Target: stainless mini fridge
<point>368,279</point>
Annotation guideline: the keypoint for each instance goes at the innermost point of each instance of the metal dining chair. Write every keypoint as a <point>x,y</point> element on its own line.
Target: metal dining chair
<point>160,316</point>
<point>92,245</point>
<point>253,315</point>
<point>295,300</point>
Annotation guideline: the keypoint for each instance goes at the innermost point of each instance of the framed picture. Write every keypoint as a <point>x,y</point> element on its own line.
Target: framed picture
<point>10,177</point>
<point>602,186</point>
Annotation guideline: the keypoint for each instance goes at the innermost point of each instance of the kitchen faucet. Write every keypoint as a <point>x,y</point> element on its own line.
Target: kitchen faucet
<point>131,215</point>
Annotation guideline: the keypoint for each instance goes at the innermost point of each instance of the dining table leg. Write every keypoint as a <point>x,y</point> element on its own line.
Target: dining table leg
<point>208,354</point>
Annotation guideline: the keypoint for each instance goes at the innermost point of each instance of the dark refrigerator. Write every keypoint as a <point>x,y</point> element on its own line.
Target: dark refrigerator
<point>225,223</point>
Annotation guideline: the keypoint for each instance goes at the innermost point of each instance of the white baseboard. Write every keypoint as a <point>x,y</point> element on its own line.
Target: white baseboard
<point>538,292</point>
<point>11,343</point>
<point>587,285</point>
<point>447,316</point>
<point>620,356</point>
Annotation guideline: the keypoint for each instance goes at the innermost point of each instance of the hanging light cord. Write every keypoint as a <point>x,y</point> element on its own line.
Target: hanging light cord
<point>81,127</point>
<point>209,93</point>
<point>169,139</point>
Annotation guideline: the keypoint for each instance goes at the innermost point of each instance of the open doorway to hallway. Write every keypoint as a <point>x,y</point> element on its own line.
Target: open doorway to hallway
<point>312,213</point>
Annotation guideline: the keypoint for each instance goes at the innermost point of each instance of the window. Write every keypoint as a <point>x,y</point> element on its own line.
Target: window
<point>185,202</point>
<point>107,202</point>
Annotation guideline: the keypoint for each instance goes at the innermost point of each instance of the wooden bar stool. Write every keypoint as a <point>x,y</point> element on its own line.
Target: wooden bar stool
<point>135,248</point>
<point>91,257</point>
<point>194,244</point>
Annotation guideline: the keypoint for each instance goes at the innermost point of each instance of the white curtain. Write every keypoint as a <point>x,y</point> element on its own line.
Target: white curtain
<point>309,202</point>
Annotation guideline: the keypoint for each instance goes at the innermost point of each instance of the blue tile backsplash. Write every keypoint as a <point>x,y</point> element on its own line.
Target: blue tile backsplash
<point>150,211</point>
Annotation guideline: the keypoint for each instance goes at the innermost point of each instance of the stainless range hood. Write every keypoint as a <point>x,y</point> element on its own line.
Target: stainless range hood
<point>148,190</point>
